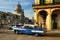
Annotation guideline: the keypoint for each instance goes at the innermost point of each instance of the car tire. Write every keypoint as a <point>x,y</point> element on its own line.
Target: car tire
<point>36,34</point>
<point>16,32</point>
<point>44,34</point>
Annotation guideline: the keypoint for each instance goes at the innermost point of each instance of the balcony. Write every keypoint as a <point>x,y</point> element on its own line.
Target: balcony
<point>50,5</point>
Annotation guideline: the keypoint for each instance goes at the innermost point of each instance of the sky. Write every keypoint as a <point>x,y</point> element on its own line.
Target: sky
<point>9,6</point>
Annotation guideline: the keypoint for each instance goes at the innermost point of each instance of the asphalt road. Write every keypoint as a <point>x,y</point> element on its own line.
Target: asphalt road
<point>9,35</point>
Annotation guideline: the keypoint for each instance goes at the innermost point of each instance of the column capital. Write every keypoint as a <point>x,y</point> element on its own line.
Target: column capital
<point>35,10</point>
<point>49,12</point>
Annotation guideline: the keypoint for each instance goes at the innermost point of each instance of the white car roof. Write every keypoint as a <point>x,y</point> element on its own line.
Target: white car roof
<point>30,25</point>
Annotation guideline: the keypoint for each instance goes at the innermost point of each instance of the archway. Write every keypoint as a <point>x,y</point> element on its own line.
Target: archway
<point>55,19</point>
<point>43,14</point>
<point>42,17</point>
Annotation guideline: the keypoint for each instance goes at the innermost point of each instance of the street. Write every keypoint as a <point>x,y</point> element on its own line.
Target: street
<point>9,35</point>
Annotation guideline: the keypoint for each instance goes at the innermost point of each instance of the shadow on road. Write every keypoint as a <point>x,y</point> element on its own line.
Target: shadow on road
<point>6,32</point>
<point>53,35</point>
<point>47,35</point>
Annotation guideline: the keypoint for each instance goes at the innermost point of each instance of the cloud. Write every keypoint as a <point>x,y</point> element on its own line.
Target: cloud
<point>26,2</point>
<point>5,7</point>
<point>29,13</point>
<point>9,5</point>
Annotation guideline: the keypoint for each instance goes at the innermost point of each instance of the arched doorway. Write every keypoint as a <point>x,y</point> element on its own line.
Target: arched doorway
<point>55,19</point>
<point>43,14</point>
<point>42,18</point>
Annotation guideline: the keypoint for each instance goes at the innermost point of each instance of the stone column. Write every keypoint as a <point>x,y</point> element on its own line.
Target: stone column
<point>49,1</point>
<point>35,18</point>
<point>37,2</point>
<point>48,21</point>
<point>58,21</point>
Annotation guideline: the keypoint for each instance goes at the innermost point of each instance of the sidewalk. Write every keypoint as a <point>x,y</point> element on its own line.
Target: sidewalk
<point>54,31</point>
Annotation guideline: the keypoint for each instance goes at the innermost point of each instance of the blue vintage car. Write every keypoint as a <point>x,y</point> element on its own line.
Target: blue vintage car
<point>31,30</point>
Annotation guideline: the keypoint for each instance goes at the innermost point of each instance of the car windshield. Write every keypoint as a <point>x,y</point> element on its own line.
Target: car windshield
<point>22,26</point>
<point>27,27</point>
<point>18,25</point>
<point>12,25</point>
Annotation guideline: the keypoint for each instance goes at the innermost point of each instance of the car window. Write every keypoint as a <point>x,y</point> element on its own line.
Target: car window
<point>17,25</point>
<point>27,27</point>
<point>30,27</point>
<point>12,25</point>
<point>22,26</point>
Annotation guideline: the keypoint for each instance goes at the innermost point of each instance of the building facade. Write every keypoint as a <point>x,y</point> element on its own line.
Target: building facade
<point>47,13</point>
<point>19,12</point>
<point>17,18</point>
<point>8,18</point>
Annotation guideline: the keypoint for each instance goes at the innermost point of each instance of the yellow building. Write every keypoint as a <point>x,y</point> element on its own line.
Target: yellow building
<point>47,13</point>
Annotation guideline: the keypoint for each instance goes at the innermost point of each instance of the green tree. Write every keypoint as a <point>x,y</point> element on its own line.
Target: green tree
<point>56,1</point>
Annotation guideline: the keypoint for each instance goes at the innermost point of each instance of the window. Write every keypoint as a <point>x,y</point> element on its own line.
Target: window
<point>42,2</point>
<point>56,1</point>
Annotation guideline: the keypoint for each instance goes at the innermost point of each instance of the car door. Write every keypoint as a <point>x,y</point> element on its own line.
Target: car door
<point>29,30</point>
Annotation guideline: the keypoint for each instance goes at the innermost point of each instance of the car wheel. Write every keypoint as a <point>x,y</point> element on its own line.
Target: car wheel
<point>16,32</point>
<point>36,34</point>
<point>44,34</point>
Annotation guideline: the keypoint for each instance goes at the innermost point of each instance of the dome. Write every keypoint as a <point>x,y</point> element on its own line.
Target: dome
<point>18,7</point>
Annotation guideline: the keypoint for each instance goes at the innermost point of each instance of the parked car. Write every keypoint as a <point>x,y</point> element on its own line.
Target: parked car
<point>31,30</point>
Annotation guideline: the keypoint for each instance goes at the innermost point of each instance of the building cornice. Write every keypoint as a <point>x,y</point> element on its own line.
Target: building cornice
<point>46,6</point>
